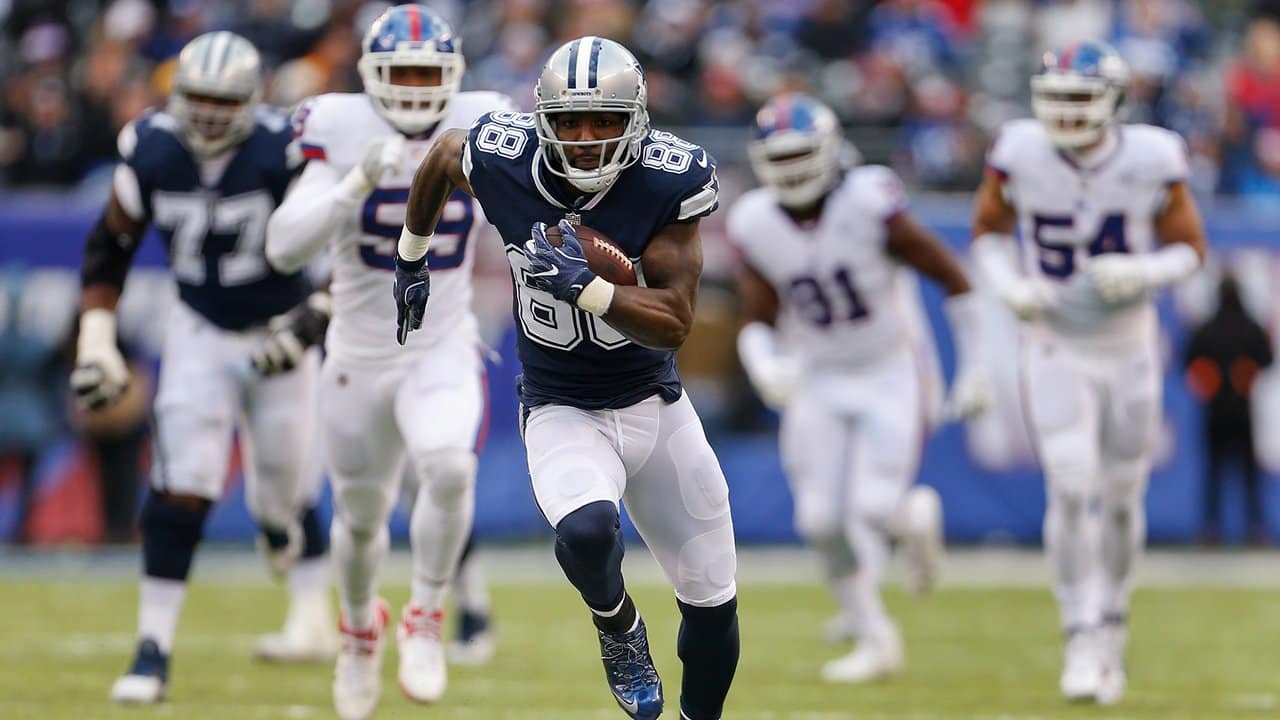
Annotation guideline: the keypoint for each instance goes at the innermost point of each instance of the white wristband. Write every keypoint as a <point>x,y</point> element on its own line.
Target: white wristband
<point>412,245</point>
<point>596,297</point>
<point>995,254</point>
<point>97,330</point>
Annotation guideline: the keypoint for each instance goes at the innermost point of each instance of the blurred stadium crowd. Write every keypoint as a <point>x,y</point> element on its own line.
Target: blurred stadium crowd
<point>920,83</point>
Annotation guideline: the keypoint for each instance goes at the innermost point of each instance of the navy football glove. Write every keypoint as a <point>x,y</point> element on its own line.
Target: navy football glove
<point>413,285</point>
<point>561,271</point>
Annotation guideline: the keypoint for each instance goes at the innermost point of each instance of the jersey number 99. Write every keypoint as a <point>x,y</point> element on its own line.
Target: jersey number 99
<point>382,219</point>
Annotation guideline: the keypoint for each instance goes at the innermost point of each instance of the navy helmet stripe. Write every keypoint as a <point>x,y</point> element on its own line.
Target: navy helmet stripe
<point>595,62</point>
<point>573,65</point>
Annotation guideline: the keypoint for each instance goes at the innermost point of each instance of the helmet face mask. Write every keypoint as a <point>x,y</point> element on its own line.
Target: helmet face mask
<point>797,150</point>
<point>411,67</point>
<point>584,79</point>
<point>1078,93</point>
<point>216,88</point>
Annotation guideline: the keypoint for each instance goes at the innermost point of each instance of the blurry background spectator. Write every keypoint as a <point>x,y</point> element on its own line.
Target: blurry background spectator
<point>919,83</point>
<point>1222,360</point>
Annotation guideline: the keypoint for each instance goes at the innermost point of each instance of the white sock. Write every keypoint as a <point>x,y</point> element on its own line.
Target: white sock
<point>357,560</point>
<point>846,596</point>
<point>1124,533</point>
<point>159,603</point>
<point>1071,542</point>
<point>871,548</point>
<point>469,587</point>
<point>438,530</point>
<point>310,575</point>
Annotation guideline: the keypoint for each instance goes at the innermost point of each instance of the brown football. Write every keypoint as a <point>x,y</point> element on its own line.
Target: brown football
<point>604,257</point>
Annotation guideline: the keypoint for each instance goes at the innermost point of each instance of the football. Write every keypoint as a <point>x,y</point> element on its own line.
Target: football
<point>604,256</point>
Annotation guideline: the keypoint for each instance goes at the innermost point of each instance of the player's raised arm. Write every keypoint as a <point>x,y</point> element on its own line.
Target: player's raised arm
<point>100,374</point>
<point>1121,277</point>
<point>440,172</point>
<point>322,195</point>
<point>995,253</point>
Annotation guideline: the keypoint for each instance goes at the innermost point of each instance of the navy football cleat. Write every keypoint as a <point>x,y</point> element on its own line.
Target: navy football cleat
<point>147,679</point>
<point>628,667</point>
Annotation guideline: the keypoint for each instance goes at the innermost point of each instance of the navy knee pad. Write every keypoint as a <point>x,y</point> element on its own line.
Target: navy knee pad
<point>170,534</point>
<point>315,534</point>
<point>589,549</point>
<point>708,647</point>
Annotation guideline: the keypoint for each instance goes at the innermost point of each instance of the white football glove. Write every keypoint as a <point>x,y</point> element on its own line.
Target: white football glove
<point>101,375</point>
<point>1118,278</point>
<point>776,381</point>
<point>971,394</point>
<point>1028,298</point>
<point>381,155</point>
<point>775,376</point>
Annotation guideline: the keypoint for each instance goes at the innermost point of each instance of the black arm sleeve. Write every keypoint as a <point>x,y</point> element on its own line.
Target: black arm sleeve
<point>107,256</point>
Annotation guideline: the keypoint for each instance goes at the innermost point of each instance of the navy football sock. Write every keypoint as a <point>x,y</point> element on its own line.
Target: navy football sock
<point>708,647</point>
<point>315,536</point>
<point>589,549</point>
<point>170,533</point>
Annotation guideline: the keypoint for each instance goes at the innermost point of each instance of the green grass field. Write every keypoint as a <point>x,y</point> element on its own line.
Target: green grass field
<point>972,653</point>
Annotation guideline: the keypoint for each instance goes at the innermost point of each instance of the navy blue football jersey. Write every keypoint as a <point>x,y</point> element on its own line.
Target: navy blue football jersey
<point>215,233</point>
<point>570,356</point>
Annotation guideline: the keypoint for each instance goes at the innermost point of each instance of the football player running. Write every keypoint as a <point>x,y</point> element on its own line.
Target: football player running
<point>1106,218</point>
<point>829,343</point>
<point>207,171</point>
<point>605,418</point>
<point>380,404</point>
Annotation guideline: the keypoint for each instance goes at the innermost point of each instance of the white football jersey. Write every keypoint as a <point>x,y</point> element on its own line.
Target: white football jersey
<point>1068,214</point>
<point>336,128</point>
<point>843,300</point>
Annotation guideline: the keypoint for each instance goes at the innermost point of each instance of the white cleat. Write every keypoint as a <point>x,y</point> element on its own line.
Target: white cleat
<point>280,560</point>
<point>308,634</point>
<point>422,673</point>
<point>137,690</point>
<point>476,651</point>
<point>922,539</point>
<point>873,659</point>
<point>1081,667</point>
<point>1114,678</point>
<point>357,676</point>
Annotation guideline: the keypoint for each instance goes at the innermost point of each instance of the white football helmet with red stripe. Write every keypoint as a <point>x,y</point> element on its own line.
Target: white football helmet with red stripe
<point>411,36</point>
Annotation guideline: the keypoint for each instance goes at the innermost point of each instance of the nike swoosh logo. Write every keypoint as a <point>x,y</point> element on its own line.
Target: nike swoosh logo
<point>631,707</point>
<point>702,161</point>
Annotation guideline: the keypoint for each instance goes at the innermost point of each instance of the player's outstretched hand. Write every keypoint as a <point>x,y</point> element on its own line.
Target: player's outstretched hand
<point>561,271</point>
<point>413,286</point>
<point>291,334</point>
<point>100,376</point>
<point>1118,278</point>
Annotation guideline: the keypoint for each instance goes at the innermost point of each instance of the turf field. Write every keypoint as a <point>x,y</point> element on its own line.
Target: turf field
<point>973,652</point>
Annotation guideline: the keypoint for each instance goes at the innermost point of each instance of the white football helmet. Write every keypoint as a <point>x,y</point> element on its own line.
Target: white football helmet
<point>797,149</point>
<point>411,36</point>
<point>1078,92</point>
